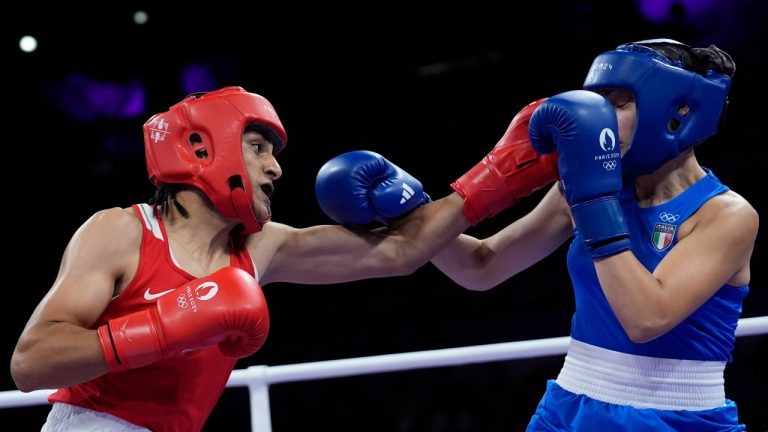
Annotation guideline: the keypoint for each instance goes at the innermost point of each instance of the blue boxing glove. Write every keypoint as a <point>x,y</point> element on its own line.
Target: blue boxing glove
<point>360,187</point>
<point>582,127</point>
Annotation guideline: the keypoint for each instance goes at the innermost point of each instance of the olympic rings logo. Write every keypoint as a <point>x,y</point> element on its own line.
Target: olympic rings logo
<point>669,217</point>
<point>181,301</point>
<point>609,165</point>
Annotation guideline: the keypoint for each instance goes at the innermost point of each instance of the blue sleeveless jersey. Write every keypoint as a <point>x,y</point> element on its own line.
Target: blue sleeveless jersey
<point>707,334</point>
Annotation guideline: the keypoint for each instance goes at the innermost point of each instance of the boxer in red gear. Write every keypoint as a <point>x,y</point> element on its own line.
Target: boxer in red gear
<point>225,308</point>
<point>111,334</point>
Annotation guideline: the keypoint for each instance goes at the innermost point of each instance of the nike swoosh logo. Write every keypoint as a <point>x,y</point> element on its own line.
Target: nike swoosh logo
<point>148,296</point>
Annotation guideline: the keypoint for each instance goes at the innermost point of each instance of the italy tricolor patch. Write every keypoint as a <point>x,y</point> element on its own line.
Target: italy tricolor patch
<point>662,235</point>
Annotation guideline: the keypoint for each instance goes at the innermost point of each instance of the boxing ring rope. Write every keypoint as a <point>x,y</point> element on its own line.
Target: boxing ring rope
<point>258,378</point>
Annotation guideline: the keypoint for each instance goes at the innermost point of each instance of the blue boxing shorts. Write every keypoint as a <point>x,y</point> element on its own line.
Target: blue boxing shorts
<point>561,410</point>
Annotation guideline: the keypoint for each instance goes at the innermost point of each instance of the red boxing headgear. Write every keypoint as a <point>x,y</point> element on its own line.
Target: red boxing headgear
<point>198,142</point>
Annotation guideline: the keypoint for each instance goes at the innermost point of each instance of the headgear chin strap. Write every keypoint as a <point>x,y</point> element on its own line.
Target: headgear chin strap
<point>198,142</point>
<point>661,87</point>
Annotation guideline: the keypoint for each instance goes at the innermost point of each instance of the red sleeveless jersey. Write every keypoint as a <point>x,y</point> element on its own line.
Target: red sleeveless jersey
<point>174,394</point>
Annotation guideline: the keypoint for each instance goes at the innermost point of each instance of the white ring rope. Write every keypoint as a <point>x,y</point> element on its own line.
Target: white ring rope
<point>258,378</point>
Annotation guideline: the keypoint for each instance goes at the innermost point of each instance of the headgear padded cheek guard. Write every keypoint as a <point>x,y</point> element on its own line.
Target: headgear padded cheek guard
<point>661,87</point>
<point>198,142</point>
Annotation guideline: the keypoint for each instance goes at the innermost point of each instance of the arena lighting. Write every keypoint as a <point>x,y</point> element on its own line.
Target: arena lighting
<point>28,44</point>
<point>86,99</point>
<point>660,11</point>
<point>197,77</point>
<point>140,17</point>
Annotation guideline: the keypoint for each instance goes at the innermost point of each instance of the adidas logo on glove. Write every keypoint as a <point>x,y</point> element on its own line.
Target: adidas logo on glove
<point>407,193</point>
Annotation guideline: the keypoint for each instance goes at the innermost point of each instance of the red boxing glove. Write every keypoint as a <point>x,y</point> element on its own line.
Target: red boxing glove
<point>226,308</point>
<point>510,172</point>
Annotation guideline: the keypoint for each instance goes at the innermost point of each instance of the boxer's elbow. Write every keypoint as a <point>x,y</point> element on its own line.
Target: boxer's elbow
<point>23,373</point>
<point>646,330</point>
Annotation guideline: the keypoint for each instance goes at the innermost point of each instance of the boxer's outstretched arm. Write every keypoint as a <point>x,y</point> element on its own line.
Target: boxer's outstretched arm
<point>358,187</point>
<point>335,253</point>
<point>481,264</point>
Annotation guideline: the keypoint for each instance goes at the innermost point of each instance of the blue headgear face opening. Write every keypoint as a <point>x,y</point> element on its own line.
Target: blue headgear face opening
<point>661,87</point>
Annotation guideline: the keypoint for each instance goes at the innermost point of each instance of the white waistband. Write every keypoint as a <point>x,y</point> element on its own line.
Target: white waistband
<point>642,382</point>
<point>69,418</point>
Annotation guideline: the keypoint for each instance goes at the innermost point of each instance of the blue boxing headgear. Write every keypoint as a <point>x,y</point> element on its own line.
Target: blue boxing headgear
<point>665,75</point>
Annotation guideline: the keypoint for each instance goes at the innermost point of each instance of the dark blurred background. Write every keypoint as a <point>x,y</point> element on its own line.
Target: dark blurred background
<point>432,87</point>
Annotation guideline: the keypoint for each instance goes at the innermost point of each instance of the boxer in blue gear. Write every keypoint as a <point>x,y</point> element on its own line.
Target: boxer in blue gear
<point>660,251</point>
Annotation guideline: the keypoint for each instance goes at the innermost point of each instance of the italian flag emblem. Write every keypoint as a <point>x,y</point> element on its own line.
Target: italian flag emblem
<point>662,235</point>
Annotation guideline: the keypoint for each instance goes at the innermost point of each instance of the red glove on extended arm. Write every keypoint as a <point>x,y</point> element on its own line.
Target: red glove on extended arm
<point>510,172</point>
<point>226,308</point>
